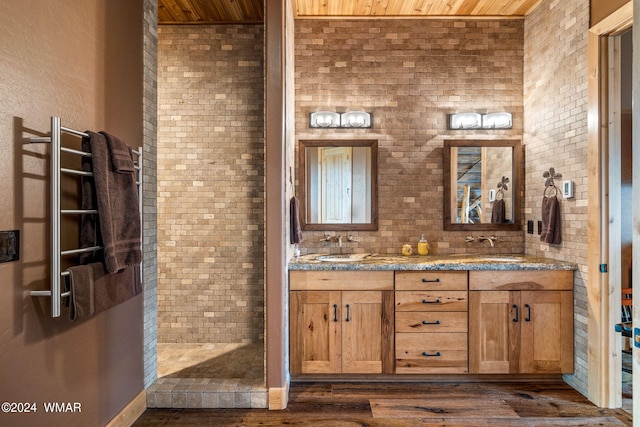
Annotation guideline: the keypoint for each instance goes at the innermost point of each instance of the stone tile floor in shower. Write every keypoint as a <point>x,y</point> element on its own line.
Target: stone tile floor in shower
<point>209,376</point>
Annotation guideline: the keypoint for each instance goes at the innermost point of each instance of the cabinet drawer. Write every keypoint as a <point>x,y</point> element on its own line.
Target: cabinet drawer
<point>341,280</point>
<point>431,301</point>
<point>543,280</point>
<point>431,280</point>
<point>431,321</point>
<point>431,353</point>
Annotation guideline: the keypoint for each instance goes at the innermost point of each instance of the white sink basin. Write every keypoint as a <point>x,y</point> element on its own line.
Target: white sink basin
<point>342,257</point>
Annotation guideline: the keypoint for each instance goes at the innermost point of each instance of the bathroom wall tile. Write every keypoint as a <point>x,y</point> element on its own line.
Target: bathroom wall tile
<point>210,399</point>
<point>227,399</point>
<point>151,399</point>
<point>163,399</point>
<point>555,98</point>
<point>259,399</point>
<point>210,184</point>
<point>242,400</point>
<point>149,196</point>
<point>410,76</point>
<point>194,399</point>
<point>178,399</point>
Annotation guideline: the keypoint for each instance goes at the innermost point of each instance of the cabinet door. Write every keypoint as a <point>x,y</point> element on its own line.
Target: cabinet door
<point>494,332</point>
<point>362,323</point>
<point>315,332</point>
<point>547,332</point>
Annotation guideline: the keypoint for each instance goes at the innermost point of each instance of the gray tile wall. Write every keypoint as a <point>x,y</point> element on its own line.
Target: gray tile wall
<point>149,208</point>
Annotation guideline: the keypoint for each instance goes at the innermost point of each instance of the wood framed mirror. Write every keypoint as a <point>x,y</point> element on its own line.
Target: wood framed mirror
<point>338,184</point>
<point>482,185</point>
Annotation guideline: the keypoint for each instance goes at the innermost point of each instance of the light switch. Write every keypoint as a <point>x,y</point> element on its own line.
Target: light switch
<point>9,245</point>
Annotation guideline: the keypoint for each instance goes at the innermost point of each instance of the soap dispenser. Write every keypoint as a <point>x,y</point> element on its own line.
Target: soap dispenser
<point>423,246</point>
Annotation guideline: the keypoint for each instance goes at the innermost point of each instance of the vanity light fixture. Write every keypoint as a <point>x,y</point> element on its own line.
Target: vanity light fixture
<point>465,121</point>
<point>355,119</point>
<point>497,121</point>
<point>461,121</point>
<point>350,119</point>
<point>324,119</point>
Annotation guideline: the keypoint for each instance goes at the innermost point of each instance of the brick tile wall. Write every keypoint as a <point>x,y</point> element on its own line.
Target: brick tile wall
<point>410,74</point>
<point>555,135</point>
<point>149,207</point>
<point>210,184</point>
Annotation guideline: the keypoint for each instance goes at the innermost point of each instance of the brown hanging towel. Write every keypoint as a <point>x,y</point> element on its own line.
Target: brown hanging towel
<point>295,232</point>
<point>498,212</point>
<point>551,230</point>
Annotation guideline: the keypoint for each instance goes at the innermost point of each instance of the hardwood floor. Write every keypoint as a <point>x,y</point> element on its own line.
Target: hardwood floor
<point>408,405</point>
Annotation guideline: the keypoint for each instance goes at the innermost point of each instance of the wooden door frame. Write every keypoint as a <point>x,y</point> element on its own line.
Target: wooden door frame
<point>602,389</point>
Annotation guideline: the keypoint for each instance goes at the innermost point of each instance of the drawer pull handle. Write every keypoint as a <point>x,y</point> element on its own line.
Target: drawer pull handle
<point>424,280</point>
<point>426,354</point>
<point>424,322</point>
<point>348,313</point>
<point>528,318</point>
<point>424,301</point>
<point>335,312</point>
<point>516,320</point>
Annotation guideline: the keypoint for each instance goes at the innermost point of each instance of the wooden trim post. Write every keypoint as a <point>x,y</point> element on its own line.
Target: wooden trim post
<point>601,390</point>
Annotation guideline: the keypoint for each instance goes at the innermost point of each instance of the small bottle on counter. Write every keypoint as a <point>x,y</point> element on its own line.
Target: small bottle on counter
<point>407,250</point>
<point>423,246</point>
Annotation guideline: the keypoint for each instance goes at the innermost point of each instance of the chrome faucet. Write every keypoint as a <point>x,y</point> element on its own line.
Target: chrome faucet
<point>337,238</point>
<point>491,239</point>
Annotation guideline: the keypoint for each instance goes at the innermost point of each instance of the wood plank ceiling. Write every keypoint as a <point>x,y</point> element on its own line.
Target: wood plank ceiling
<point>210,11</point>
<point>252,11</point>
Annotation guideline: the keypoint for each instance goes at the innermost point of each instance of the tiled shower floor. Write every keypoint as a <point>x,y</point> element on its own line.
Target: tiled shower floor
<point>209,376</point>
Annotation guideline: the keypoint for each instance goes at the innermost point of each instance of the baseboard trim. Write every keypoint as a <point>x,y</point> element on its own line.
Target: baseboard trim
<point>131,412</point>
<point>431,378</point>
<point>278,397</point>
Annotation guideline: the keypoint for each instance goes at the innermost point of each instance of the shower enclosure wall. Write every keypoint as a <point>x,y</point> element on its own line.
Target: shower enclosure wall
<point>210,200</point>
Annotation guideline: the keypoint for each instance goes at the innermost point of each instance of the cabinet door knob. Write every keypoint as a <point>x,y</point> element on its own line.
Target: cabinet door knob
<point>528,318</point>
<point>424,322</point>
<point>424,301</point>
<point>427,354</point>
<point>516,319</point>
<point>335,312</point>
<point>348,313</point>
<point>425,280</point>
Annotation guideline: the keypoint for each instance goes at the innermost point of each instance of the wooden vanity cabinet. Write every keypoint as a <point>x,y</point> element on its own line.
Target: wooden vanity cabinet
<point>520,322</point>
<point>431,322</point>
<point>341,322</point>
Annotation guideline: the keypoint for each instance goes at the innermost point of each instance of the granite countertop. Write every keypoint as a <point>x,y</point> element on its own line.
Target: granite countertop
<point>429,262</point>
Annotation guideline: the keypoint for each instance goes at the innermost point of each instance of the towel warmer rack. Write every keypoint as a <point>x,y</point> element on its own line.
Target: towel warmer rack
<point>57,253</point>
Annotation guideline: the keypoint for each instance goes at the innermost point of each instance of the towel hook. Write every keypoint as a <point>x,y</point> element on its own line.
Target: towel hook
<point>551,174</point>
<point>503,186</point>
